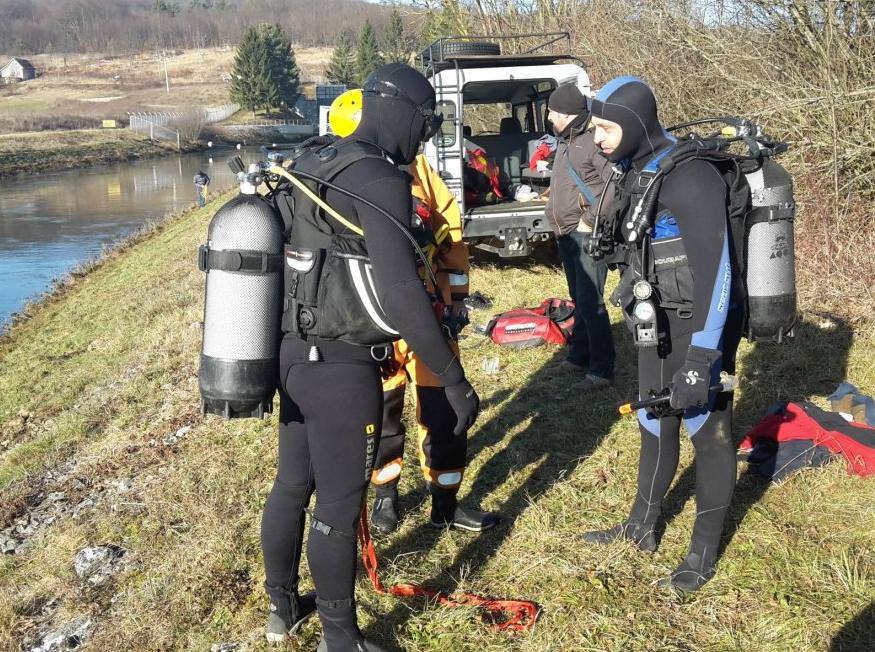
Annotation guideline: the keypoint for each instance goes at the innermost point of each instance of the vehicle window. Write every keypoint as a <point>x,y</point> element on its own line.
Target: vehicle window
<point>485,119</point>
<point>540,112</point>
<point>446,137</point>
<point>523,114</point>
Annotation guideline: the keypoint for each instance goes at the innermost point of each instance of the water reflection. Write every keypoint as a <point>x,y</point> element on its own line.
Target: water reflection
<point>53,221</point>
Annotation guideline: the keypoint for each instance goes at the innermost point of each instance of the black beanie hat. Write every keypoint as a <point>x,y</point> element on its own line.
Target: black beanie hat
<point>567,99</point>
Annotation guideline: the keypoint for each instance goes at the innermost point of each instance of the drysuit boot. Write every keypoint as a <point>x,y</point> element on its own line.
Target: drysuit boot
<point>641,534</point>
<point>445,512</point>
<point>384,515</point>
<point>340,631</point>
<point>288,611</point>
<point>696,568</point>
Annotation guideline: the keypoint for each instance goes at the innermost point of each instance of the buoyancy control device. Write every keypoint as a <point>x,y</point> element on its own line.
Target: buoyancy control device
<point>243,259</point>
<point>761,219</point>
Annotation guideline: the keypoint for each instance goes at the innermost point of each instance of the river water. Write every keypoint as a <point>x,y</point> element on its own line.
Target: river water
<point>54,221</point>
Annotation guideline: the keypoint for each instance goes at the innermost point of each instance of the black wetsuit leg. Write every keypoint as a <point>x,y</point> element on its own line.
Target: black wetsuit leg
<point>331,438</point>
<point>712,441</point>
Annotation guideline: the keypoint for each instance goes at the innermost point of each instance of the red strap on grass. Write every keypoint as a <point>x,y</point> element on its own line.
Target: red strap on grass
<point>521,615</point>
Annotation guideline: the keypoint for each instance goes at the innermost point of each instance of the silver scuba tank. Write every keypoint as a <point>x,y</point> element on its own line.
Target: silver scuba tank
<point>770,273</point>
<point>239,363</point>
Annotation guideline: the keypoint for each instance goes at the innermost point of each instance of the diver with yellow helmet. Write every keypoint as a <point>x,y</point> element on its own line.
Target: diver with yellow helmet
<point>442,454</point>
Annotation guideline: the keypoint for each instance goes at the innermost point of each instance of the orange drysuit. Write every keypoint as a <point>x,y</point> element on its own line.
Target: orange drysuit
<point>441,454</point>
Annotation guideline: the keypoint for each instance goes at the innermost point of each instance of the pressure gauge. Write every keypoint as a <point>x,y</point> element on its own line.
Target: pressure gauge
<point>644,311</point>
<point>642,290</point>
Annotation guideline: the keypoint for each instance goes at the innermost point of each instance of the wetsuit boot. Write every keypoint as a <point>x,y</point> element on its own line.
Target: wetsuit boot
<point>384,515</point>
<point>639,528</point>
<point>340,632</point>
<point>696,568</point>
<point>445,512</point>
<point>715,485</point>
<point>641,534</point>
<point>288,611</point>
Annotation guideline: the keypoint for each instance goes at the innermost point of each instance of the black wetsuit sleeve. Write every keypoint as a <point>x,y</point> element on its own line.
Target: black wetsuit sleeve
<point>696,195</point>
<point>399,287</point>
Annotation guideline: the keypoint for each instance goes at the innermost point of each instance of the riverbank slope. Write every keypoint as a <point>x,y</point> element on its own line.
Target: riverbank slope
<point>41,152</point>
<point>102,444</point>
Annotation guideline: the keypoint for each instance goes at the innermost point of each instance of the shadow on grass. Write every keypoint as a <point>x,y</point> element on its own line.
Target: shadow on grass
<point>857,635</point>
<point>563,429</point>
<point>812,363</point>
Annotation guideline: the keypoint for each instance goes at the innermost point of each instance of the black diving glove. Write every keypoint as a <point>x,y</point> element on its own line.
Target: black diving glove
<point>689,385</point>
<point>465,403</point>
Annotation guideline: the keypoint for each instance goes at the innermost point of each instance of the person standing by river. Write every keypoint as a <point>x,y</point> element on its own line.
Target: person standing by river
<point>201,183</point>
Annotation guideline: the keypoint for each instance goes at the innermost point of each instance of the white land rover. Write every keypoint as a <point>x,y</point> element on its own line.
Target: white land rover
<point>500,98</point>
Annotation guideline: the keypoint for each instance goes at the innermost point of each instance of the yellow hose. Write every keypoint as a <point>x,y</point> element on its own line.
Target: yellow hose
<point>316,198</point>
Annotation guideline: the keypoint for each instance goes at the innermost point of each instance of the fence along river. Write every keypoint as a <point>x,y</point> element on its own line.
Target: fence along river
<point>54,221</point>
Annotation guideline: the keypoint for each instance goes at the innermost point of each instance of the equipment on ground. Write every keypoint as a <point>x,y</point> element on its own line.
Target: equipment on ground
<point>550,323</point>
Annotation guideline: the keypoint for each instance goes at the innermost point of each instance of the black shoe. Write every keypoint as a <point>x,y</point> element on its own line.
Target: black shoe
<point>640,534</point>
<point>384,515</point>
<point>445,512</point>
<point>288,611</point>
<point>465,519</point>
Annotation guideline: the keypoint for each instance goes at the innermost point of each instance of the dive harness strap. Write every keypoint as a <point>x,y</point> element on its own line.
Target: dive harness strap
<point>323,528</point>
<point>238,260</point>
<point>520,615</point>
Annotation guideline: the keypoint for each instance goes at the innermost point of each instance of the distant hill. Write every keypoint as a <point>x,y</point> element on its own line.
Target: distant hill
<point>136,25</point>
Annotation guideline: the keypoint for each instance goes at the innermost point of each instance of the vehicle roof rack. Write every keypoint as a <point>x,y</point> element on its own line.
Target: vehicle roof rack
<point>500,50</point>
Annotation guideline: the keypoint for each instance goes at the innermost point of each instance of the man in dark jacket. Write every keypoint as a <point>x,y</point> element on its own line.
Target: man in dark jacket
<point>578,179</point>
<point>201,182</point>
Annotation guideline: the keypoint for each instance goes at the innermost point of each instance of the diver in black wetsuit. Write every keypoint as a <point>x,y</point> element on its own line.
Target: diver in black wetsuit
<point>332,400</point>
<point>698,327</point>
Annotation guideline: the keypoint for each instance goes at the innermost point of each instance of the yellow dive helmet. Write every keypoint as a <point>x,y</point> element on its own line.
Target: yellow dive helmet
<point>346,112</point>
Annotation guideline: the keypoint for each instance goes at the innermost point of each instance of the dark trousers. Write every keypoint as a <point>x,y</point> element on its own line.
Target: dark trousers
<point>592,344</point>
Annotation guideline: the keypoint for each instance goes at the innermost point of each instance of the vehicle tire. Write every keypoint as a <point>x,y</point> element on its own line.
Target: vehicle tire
<point>455,48</point>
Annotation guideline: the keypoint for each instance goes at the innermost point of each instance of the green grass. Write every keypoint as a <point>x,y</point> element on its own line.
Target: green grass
<point>103,372</point>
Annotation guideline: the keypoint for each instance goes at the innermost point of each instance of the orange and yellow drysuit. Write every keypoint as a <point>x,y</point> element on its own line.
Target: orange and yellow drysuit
<point>441,454</point>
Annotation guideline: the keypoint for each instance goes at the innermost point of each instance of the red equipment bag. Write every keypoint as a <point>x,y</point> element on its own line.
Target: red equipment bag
<point>550,323</point>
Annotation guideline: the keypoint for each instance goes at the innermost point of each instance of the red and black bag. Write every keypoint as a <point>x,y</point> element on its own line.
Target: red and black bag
<point>550,323</point>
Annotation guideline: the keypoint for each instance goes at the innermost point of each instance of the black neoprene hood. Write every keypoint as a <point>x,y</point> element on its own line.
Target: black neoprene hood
<point>630,103</point>
<point>395,124</point>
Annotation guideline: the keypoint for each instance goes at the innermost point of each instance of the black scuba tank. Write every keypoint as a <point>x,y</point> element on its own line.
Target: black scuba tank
<point>770,274</point>
<point>239,363</point>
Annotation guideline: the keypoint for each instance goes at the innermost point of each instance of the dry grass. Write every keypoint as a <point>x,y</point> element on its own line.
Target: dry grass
<point>92,88</point>
<point>107,375</point>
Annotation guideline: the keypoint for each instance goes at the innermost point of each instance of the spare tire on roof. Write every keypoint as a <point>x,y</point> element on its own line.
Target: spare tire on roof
<point>439,51</point>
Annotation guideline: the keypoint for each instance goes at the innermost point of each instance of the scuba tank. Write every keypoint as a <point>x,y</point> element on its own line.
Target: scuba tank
<point>770,275</point>
<point>239,363</point>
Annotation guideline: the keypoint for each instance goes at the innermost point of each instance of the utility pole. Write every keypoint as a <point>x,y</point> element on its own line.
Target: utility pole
<point>166,78</point>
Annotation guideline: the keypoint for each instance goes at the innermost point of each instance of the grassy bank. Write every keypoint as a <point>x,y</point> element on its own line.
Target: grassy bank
<point>99,403</point>
<point>65,150</point>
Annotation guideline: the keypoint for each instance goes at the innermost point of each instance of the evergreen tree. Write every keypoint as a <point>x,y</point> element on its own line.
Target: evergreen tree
<point>251,85</point>
<point>341,68</point>
<point>368,57</point>
<point>396,46</point>
<point>284,74</point>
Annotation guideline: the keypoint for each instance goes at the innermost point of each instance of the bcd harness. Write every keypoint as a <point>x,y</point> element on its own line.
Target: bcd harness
<point>329,290</point>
